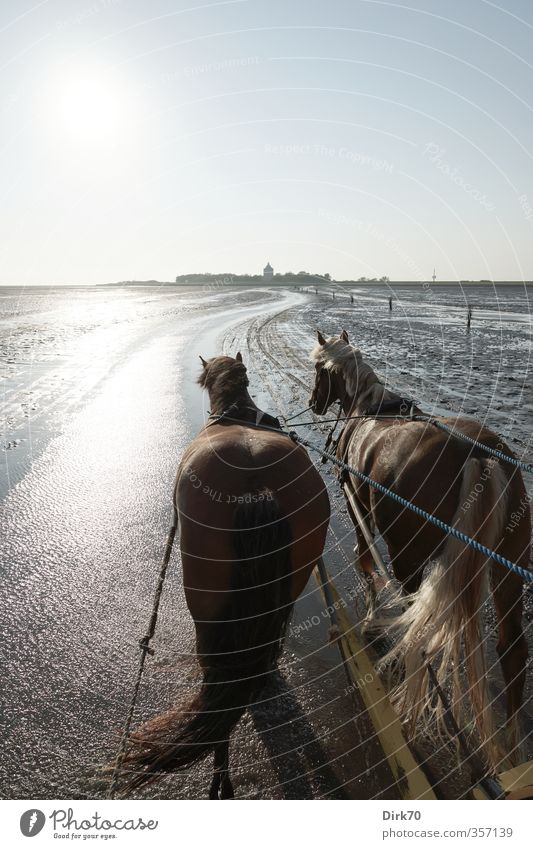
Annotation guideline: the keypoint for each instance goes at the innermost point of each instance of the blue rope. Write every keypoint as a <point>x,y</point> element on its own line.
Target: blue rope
<point>460,435</point>
<point>527,576</point>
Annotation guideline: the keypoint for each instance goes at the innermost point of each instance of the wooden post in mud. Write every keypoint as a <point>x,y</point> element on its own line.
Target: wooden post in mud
<point>390,304</point>
<point>351,299</point>
<point>469,316</point>
<point>333,293</point>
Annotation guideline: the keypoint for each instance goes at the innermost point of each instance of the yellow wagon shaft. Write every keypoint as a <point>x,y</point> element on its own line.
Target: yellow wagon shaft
<point>411,781</point>
<point>410,778</point>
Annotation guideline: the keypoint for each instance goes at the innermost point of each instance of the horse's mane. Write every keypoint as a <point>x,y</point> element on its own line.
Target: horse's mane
<point>224,378</point>
<point>361,380</point>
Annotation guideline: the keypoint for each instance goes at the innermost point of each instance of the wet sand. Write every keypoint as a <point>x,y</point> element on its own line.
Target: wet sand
<point>99,401</point>
<point>424,351</point>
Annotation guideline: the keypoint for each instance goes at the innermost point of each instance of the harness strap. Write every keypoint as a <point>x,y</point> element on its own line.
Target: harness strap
<point>263,421</point>
<point>412,416</point>
<point>401,406</point>
<point>527,467</point>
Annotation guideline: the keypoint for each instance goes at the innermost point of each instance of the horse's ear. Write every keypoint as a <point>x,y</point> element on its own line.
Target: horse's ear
<point>204,362</point>
<point>344,337</point>
<point>321,339</point>
<point>238,357</point>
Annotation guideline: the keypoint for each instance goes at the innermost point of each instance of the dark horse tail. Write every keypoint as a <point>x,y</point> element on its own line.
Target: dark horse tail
<point>237,652</point>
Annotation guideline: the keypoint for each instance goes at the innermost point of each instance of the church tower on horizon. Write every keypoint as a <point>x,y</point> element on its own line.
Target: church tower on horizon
<point>268,272</point>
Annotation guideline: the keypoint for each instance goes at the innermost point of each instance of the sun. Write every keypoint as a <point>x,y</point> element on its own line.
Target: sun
<point>89,107</point>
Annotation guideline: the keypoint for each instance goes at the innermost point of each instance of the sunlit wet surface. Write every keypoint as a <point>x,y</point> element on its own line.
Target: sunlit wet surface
<point>85,517</point>
<point>99,401</point>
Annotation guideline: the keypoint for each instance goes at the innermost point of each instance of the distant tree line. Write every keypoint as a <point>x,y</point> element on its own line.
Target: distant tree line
<point>300,277</point>
<point>228,279</point>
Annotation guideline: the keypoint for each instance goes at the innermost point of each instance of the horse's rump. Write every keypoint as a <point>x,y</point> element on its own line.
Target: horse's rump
<point>237,651</point>
<point>251,627</point>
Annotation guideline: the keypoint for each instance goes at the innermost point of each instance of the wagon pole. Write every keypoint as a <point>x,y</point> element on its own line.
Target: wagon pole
<point>488,786</point>
<point>410,779</point>
<point>370,541</point>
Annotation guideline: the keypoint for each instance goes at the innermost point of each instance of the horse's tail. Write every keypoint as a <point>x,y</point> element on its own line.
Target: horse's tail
<point>237,652</point>
<point>445,614</point>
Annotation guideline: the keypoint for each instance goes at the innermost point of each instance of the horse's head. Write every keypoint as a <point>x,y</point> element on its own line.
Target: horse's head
<point>223,374</point>
<point>329,385</point>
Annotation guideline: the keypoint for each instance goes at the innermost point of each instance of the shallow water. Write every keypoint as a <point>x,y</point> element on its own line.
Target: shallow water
<point>99,400</point>
<point>87,503</point>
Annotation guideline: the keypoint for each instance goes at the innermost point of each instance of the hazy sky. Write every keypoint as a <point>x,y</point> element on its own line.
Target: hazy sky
<point>148,138</point>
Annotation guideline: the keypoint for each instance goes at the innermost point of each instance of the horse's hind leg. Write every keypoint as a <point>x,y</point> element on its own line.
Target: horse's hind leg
<point>221,786</point>
<point>409,576</point>
<point>512,647</point>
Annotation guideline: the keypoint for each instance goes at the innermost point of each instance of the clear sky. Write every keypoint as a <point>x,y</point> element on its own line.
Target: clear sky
<point>148,138</point>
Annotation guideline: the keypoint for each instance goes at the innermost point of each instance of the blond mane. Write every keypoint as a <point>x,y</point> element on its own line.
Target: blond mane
<point>362,383</point>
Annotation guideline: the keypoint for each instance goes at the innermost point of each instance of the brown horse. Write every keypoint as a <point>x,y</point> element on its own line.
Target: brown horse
<point>462,486</point>
<point>253,516</point>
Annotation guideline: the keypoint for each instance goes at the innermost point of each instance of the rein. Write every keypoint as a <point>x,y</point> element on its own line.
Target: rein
<point>144,645</point>
<point>263,421</point>
<point>407,410</point>
<point>423,514</point>
<point>404,409</point>
<point>299,413</point>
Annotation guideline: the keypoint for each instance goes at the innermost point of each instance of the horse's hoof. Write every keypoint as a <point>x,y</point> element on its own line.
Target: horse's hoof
<point>213,790</point>
<point>226,791</point>
<point>221,788</point>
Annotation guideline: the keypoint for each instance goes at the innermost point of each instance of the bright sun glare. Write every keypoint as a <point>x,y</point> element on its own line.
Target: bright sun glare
<point>90,107</point>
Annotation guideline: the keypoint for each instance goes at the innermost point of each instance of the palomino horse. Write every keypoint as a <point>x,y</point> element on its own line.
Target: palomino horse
<point>253,516</point>
<point>462,486</point>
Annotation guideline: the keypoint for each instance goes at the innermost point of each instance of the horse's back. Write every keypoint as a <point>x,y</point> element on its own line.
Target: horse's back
<point>235,468</point>
<point>426,465</point>
<point>239,459</point>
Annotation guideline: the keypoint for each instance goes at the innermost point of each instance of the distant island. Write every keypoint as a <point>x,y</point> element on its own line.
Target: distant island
<point>317,281</point>
<point>302,278</point>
